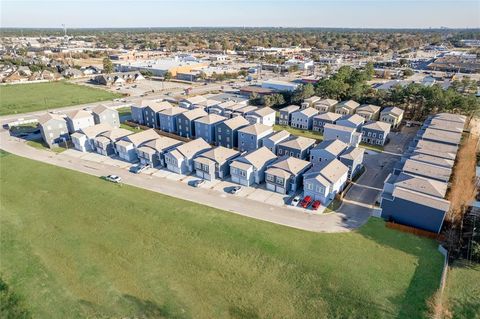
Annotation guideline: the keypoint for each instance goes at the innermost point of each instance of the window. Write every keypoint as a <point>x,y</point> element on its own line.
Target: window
<point>279,151</point>
<point>369,134</point>
<point>270,178</point>
<point>380,135</point>
<point>291,154</point>
<point>319,189</point>
<point>219,130</point>
<point>280,180</point>
<point>243,173</point>
<point>198,165</point>
<point>374,135</point>
<point>309,186</point>
<point>234,170</point>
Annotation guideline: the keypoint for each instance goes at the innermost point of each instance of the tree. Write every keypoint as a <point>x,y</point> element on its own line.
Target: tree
<point>107,65</point>
<point>167,75</point>
<point>407,72</point>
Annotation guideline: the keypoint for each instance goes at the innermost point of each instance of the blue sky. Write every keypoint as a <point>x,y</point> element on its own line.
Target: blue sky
<point>285,13</point>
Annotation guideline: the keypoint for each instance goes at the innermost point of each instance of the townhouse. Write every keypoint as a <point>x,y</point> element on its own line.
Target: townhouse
<point>352,158</point>
<point>105,142</point>
<point>244,110</point>
<point>327,150</point>
<point>250,168</point>
<point>369,112</point>
<point>298,147</point>
<point>194,102</point>
<point>83,140</point>
<point>375,133</point>
<point>220,108</point>
<point>325,105</point>
<point>152,153</point>
<point>392,115</point>
<point>325,180</point>
<point>250,137</point>
<point>321,119</point>
<point>126,148</point>
<point>53,128</point>
<point>214,163</point>
<point>168,119</point>
<point>272,140</point>
<point>346,107</point>
<point>205,127</point>
<point>354,121</point>
<point>264,115</point>
<point>151,113</point>
<point>285,114</point>
<point>76,120</point>
<point>105,115</point>
<point>231,109</point>
<point>303,119</point>
<point>226,132</point>
<point>345,134</point>
<point>180,159</point>
<point>186,122</point>
<point>285,175</point>
<point>310,102</point>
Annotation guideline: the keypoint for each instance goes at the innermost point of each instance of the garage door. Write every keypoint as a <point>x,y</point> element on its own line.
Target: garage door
<point>280,190</point>
<point>243,181</point>
<point>270,187</point>
<point>236,179</point>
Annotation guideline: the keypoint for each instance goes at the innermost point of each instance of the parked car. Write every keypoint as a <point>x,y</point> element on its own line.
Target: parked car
<point>235,190</point>
<point>315,205</point>
<point>198,182</point>
<point>295,201</point>
<point>306,201</point>
<point>113,178</point>
<point>137,169</point>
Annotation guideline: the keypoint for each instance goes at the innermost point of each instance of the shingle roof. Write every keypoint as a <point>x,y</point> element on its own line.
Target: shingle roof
<point>219,154</point>
<point>330,171</point>
<point>370,108</point>
<point>421,199</point>
<point>191,148</point>
<point>338,127</point>
<point>436,146</point>
<point>236,122</point>
<point>259,157</point>
<point>425,158</point>
<point>442,136</point>
<point>334,147</point>
<point>278,136</point>
<point>299,143</point>
<point>93,131</point>
<point>328,102</point>
<point>393,110</point>
<point>329,116</point>
<point>309,111</point>
<point>173,111</point>
<point>264,111</point>
<point>195,99</point>
<point>290,165</point>
<point>290,108</point>
<point>256,129</point>
<point>99,109</point>
<point>50,116</point>
<point>354,119</point>
<point>423,169</point>
<point>161,143</point>
<point>421,184</point>
<point>194,114</point>
<point>144,136</point>
<point>116,134</point>
<point>210,119</point>
<point>377,126</point>
<point>350,104</point>
<point>79,114</point>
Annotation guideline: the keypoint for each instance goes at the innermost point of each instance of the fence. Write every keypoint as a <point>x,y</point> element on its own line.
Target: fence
<point>415,231</point>
<point>162,133</point>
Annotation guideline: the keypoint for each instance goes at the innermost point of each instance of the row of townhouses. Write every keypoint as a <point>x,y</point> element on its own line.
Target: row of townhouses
<point>414,193</point>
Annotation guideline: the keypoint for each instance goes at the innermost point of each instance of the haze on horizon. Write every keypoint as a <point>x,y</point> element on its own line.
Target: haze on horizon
<point>238,13</point>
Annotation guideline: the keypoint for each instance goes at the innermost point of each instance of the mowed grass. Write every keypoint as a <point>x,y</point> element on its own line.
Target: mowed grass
<point>295,131</point>
<point>462,293</point>
<point>23,98</point>
<point>75,246</point>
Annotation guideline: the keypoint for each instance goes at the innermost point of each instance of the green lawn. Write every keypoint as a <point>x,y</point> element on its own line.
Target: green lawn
<point>376,148</point>
<point>75,246</point>
<point>23,98</point>
<point>130,128</point>
<point>123,111</point>
<point>310,134</point>
<point>462,291</point>
<point>40,144</point>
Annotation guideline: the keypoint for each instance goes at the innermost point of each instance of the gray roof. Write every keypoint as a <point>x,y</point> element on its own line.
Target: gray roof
<point>93,131</point>
<point>327,172</point>
<point>290,108</point>
<point>289,166</point>
<point>354,119</point>
<point>141,137</point>
<point>421,199</point>
<point>438,147</point>
<point>264,111</point>
<point>218,154</point>
<point>79,114</point>
<point>428,170</point>
<point>99,109</point>
<point>439,161</point>
<point>50,116</point>
<point>190,148</point>
<point>329,116</point>
<point>352,153</point>
<point>421,184</point>
<point>259,157</point>
<point>377,126</point>
<point>236,122</point>
<point>256,129</point>
<point>442,136</point>
<point>299,143</point>
<point>434,153</point>
<point>194,114</point>
<point>327,102</point>
<point>330,126</point>
<point>210,119</point>
<point>334,147</point>
<point>350,104</point>
<point>278,136</point>
<point>368,108</point>
<point>392,110</point>
<point>160,144</point>
<point>173,111</point>
<point>309,111</point>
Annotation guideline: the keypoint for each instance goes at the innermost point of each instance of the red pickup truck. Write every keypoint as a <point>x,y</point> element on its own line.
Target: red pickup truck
<point>306,201</point>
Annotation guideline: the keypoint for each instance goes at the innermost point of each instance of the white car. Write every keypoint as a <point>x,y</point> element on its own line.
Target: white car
<point>295,201</point>
<point>113,178</point>
<point>235,190</point>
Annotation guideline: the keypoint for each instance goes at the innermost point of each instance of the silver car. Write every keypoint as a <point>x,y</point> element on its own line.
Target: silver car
<point>113,178</point>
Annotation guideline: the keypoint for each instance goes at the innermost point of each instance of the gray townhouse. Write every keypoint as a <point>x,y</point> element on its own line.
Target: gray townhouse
<point>214,163</point>
<point>325,180</point>
<point>392,115</point>
<point>354,121</point>
<point>272,140</point>
<point>227,131</point>
<point>327,150</point>
<point>345,134</point>
<point>194,102</point>
<point>298,147</point>
<point>205,127</point>
<point>439,136</point>
<point>168,119</point>
<point>325,105</point>
<point>151,112</point>
<point>346,107</point>
<point>137,113</point>
<point>303,119</point>
<point>105,115</point>
<point>220,108</point>
<point>83,140</point>
<point>250,168</point>
<point>285,175</point>
<point>323,118</point>
<point>375,133</point>
<point>285,114</point>
<point>152,153</point>
<point>250,137</point>
<point>180,159</point>
<point>310,102</point>
<point>224,97</point>
<point>432,159</point>
<point>352,158</point>
<point>105,142</point>
<point>230,111</point>
<point>425,170</point>
<point>127,147</point>
<point>186,122</point>
<point>415,201</point>
<point>369,112</point>
<point>244,110</point>
<point>53,128</point>
<point>264,115</point>
<point>78,119</point>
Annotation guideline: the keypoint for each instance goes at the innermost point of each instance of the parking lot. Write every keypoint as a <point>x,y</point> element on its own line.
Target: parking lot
<point>258,193</point>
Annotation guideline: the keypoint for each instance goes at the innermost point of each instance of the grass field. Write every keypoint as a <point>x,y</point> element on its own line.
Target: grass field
<point>23,98</point>
<point>75,246</point>
<point>40,144</point>
<point>310,134</point>
<point>462,291</point>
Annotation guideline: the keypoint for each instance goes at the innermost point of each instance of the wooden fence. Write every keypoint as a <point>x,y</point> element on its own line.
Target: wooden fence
<point>162,133</point>
<point>415,231</point>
